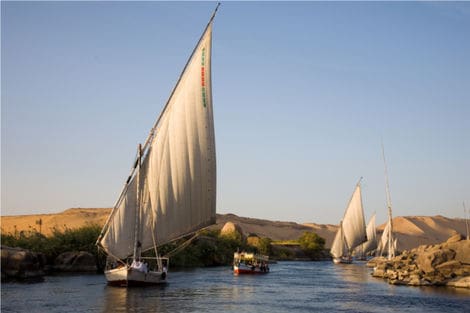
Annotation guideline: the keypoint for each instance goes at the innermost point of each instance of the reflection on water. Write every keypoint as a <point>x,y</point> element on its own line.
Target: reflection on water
<point>354,273</point>
<point>138,299</point>
<point>290,287</point>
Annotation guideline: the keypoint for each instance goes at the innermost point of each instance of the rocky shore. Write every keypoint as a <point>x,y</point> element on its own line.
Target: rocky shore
<point>24,265</point>
<point>445,264</point>
<point>20,264</point>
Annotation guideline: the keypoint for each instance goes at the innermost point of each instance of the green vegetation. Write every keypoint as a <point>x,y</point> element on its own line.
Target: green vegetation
<point>80,239</point>
<point>308,246</point>
<point>209,248</point>
<point>265,247</point>
<point>312,244</point>
<point>292,242</point>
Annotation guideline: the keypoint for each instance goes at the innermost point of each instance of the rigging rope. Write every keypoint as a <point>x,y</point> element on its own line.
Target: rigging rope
<point>182,246</point>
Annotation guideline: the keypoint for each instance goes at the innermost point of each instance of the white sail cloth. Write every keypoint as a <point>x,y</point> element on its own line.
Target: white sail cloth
<point>371,243</point>
<point>354,225</point>
<point>177,186</point>
<point>339,246</point>
<point>387,236</point>
<point>352,230</point>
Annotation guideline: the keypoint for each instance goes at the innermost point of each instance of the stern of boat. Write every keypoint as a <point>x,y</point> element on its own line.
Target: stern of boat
<point>127,277</point>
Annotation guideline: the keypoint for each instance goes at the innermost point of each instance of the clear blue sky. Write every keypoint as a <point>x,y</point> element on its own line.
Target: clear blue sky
<point>303,95</point>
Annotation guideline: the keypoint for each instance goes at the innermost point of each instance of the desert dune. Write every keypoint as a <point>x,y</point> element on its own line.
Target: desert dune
<point>411,231</point>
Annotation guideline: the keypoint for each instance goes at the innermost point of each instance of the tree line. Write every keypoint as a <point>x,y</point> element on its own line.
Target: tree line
<point>210,248</point>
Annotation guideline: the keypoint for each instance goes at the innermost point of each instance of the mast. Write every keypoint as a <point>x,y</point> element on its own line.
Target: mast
<point>466,219</point>
<point>389,208</point>
<point>137,243</point>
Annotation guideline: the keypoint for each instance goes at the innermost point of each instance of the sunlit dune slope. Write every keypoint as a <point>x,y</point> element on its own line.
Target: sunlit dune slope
<point>411,231</point>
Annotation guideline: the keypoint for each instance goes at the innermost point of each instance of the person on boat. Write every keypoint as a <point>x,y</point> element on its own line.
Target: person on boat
<point>135,263</point>
<point>138,265</point>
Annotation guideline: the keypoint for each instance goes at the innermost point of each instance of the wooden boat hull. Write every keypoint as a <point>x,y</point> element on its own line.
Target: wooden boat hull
<point>128,277</point>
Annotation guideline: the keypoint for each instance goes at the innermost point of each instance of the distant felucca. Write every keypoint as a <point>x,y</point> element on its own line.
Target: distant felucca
<point>171,190</point>
<point>352,229</point>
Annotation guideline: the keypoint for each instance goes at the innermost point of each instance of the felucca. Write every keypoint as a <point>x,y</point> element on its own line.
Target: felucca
<point>352,229</point>
<point>171,190</point>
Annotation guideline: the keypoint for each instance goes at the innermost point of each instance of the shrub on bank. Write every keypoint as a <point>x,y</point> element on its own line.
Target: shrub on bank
<point>209,248</point>
<point>80,239</point>
<point>312,244</point>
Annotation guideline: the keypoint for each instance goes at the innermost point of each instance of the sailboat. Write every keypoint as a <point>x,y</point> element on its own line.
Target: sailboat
<point>371,244</point>
<point>352,229</point>
<point>171,190</point>
<point>339,248</point>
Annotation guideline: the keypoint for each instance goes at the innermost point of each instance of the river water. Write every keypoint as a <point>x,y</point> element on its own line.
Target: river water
<point>289,287</point>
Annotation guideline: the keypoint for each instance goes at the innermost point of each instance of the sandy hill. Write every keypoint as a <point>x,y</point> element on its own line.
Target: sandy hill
<point>71,218</point>
<point>411,231</point>
<point>277,230</point>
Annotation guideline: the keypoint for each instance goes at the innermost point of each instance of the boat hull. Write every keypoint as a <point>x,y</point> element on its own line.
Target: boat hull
<point>128,277</point>
<point>241,271</point>
<point>344,260</point>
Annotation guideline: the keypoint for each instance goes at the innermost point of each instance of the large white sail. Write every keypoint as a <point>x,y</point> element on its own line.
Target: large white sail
<point>176,184</point>
<point>354,225</point>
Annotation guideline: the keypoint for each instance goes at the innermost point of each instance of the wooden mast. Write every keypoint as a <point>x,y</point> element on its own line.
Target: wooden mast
<point>389,207</point>
<point>137,243</point>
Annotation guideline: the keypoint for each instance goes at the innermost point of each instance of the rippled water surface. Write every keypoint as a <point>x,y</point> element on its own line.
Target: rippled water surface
<point>290,287</point>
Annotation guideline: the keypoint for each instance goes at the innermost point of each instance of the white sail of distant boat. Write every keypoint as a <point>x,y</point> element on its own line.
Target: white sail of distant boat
<point>339,248</point>
<point>371,244</point>
<point>390,245</point>
<point>385,236</point>
<point>352,230</point>
<point>385,240</point>
<point>171,190</point>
